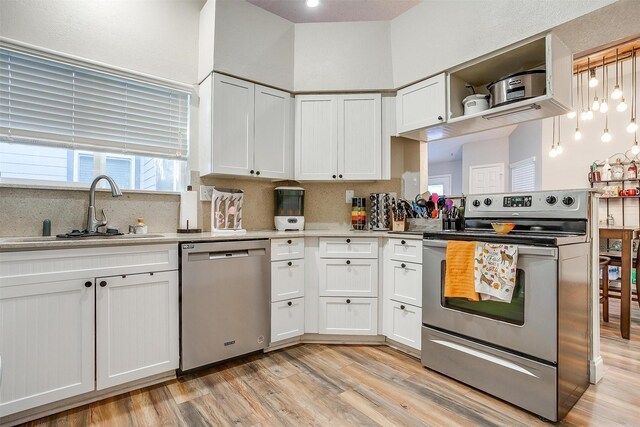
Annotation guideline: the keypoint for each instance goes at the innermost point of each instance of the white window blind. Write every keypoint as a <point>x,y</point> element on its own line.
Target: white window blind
<point>51,103</point>
<point>523,175</point>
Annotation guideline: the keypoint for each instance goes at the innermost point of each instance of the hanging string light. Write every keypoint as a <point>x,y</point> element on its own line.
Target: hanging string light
<point>593,81</point>
<point>622,106</point>
<point>559,148</point>
<point>553,152</point>
<point>633,126</point>
<point>589,114</point>
<point>617,92</point>
<point>573,113</point>
<point>604,107</point>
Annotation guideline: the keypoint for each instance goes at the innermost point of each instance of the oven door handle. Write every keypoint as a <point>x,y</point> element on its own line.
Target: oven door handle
<point>522,249</point>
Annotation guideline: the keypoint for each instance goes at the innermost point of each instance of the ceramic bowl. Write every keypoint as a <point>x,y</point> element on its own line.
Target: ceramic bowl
<point>503,227</point>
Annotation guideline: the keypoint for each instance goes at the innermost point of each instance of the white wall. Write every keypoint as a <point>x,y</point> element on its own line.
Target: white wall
<point>436,35</point>
<point>454,169</point>
<point>484,153</point>
<point>342,56</point>
<point>254,44</point>
<point>525,142</point>
<point>159,38</point>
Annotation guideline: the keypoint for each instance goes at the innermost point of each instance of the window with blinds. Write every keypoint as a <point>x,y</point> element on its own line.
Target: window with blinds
<point>50,111</point>
<point>523,175</point>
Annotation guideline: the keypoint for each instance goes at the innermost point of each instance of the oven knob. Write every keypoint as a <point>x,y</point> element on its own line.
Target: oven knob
<point>476,203</point>
<point>568,201</point>
<point>487,201</point>
<point>552,200</point>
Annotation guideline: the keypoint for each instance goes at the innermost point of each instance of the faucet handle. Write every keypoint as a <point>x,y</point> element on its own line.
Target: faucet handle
<point>104,220</point>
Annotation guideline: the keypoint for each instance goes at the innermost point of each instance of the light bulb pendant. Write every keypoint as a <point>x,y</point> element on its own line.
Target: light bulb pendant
<point>617,92</point>
<point>606,136</point>
<point>578,135</point>
<point>571,114</point>
<point>593,81</point>
<point>636,148</point>
<point>553,152</point>
<point>596,104</point>
<point>622,106</point>
<point>604,107</point>
<point>632,126</point>
<point>559,149</point>
<point>589,115</point>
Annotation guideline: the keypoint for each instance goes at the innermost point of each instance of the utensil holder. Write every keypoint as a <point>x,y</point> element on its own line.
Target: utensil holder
<point>398,225</point>
<point>226,210</point>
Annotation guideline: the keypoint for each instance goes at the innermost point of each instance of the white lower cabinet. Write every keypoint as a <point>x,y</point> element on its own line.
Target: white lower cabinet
<point>46,342</point>
<point>348,316</point>
<point>287,279</point>
<point>348,277</point>
<point>402,323</point>
<point>405,282</point>
<point>287,319</point>
<point>136,327</point>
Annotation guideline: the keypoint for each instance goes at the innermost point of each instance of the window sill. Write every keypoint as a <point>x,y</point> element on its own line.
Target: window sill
<point>6,183</point>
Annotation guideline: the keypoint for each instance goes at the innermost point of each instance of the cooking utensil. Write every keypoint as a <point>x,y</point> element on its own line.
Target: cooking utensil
<point>448,204</point>
<point>442,203</point>
<point>434,198</point>
<point>518,86</point>
<point>475,103</point>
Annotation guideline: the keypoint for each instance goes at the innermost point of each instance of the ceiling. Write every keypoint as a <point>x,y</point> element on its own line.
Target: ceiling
<point>450,149</point>
<point>336,10</point>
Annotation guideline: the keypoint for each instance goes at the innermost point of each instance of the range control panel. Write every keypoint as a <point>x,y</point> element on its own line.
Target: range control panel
<point>517,202</point>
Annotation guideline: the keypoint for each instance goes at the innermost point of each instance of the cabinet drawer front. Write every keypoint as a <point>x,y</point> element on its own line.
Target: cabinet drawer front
<point>287,279</point>
<point>282,249</point>
<point>348,277</point>
<point>405,282</point>
<point>403,323</point>
<point>405,250</point>
<point>349,247</point>
<point>287,319</point>
<point>348,316</point>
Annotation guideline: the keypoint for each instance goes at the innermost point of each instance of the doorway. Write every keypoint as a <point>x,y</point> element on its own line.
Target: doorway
<point>486,178</point>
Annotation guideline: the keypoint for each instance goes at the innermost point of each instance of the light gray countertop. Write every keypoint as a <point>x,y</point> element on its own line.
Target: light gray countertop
<point>38,243</point>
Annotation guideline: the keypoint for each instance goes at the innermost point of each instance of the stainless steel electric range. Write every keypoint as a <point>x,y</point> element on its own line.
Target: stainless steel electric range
<point>533,351</point>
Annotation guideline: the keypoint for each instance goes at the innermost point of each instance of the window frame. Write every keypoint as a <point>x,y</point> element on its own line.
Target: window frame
<point>528,162</point>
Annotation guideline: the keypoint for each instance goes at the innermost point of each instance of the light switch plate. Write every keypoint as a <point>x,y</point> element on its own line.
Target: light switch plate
<point>349,196</point>
<point>206,193</point>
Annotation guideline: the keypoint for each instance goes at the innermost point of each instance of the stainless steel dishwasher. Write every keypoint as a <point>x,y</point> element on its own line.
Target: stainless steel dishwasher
<point>225,295</point>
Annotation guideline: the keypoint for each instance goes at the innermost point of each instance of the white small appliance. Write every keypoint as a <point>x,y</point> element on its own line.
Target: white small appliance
<point>289,208</point>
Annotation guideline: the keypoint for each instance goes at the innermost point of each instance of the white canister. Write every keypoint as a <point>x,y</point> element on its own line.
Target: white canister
<point>475,103</point>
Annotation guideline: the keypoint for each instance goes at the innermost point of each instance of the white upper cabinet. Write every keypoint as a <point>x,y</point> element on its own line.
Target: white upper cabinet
<point>421,105</point>
<point>359,136</point>
<point>245,129</point>
<point>338,137</point>
<point>316,147</point>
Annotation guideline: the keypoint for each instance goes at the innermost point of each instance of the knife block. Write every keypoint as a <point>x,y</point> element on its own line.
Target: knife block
<point>398,225</point>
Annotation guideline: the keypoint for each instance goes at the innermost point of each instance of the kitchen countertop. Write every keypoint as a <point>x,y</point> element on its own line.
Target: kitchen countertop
<point>35,243</point>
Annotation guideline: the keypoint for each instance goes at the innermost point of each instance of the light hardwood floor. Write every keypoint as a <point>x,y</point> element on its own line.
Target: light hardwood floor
<point>342,385</point>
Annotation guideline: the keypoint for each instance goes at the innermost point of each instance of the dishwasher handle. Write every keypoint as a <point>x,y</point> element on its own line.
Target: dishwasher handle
<point>228,254</point>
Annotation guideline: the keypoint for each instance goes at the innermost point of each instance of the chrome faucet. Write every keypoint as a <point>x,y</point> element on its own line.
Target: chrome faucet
<point>92,221</point>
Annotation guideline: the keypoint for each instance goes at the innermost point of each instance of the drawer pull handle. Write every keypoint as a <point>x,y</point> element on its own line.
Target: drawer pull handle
<point>403,242</point>
<point>402,307</point>
<point>289,263</point>
<point>348,240</point>
<point>88,284</point>
<point>289,303</point>
<point>348,262</point>
<point>103,284</point>
<point>289,242</point>
<point>348,301</point>
<point>403,265</point>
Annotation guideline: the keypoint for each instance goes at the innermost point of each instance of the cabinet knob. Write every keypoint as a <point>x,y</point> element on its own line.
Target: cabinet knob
<point>333,176</point>
<point>289,303</point>
<point>440,118</point>
<point>252,171</point>
<point>348,301</point>
<point>289,263</point>
<point>402,307</point>
<point>348,240</point>
<point>340,176</point>
<point>348,262</point>
<point>257,172</point>
<point>403,265</point>
<point>88,284</point>
<point>403,242</point>
<point>289,241</point>
<point>103,284</point>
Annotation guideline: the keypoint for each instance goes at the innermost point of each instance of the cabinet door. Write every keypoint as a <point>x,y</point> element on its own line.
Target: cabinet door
<point>232,129</point>
<point>136,327</point>
<point>405,250</point>
<point>287,319</point>
<point>422,104</point>
<point>347,247</point>
<point>403,282</point>
<point>46,343</point>
<point>273,150</point>
<point>287,279</point>
<point>402,323</point>
<point>348,277</point>
<point>316,148</point>
<point>348,316</point>
<point>359,136</point>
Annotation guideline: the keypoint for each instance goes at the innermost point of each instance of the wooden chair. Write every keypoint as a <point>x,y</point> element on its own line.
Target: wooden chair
<point>604,287</point>
<point>616,291</point>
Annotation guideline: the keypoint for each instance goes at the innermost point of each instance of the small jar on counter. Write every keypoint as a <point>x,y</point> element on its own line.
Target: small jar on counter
<point>358,213</point>
<point>140,227</point>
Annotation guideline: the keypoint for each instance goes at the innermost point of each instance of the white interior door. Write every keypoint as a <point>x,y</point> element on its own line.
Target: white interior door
<point>486,179</point>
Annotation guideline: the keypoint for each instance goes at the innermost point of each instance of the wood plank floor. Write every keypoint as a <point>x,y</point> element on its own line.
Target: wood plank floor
<point>344,385</point>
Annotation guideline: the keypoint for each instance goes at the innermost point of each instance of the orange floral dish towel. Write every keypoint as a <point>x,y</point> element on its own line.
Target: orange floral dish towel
<point>459,279</point>
<point>495,271</point>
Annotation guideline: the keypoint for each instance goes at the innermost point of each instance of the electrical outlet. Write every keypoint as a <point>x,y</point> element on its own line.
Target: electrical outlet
<point>394,195</point>
<point>206,193</point>
<point>349,196</point>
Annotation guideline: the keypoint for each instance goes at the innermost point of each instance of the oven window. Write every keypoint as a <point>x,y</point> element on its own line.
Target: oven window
<point>510,313</point>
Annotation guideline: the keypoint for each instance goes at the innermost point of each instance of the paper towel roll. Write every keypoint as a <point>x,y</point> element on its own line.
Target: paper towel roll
<point>189,208</point>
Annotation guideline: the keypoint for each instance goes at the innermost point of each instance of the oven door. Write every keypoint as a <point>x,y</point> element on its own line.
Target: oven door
<point>527,325</point>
